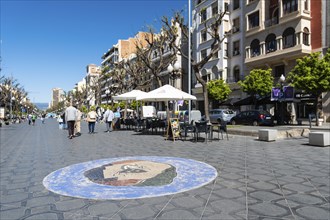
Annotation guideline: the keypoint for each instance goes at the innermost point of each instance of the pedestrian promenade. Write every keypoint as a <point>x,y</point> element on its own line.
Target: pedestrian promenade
<point>285,179</point>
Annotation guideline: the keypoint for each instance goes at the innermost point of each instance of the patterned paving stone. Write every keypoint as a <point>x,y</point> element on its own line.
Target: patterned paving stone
<point>103,209</point>
<point>305,199</point>
<point>12,213</point>
<point>139,212</point>
<point>69,205</point>
<point>269,209</point>
<point>48,216</point>
<point>40,209</point>
<point>265,196</point>
<point>17,197</point>
<point>257,180</point>
<point>310,212</point>
<point>38,201</point>
<point>177,214</point>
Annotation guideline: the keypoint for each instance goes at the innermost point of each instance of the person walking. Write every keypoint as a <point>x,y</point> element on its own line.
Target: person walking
<point>33,117</point>
<point>77,127</point>
<point>43,116</point>
<point>29,119</point>
<point>70,118</point>
<point>91,119</point>
<point>108,118</point>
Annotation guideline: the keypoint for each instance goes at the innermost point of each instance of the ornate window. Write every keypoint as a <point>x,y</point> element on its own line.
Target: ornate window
<point>270,43</point>
<point>203,15</point>
<point>236,48</point>
<point>306,37</point>
<point>215,8</point>
<point>236,74</point>
<point>253,20</point>
<point>289,6</point>
<point>236,4</point>
<point>203,36</point>
<point>289,38</point>
<point>203,54</point>
<point>255,48</point>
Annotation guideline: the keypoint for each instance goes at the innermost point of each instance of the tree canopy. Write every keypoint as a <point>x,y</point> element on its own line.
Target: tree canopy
<point>218,90</point>
<point>258,82</point>
<point>312,73</point>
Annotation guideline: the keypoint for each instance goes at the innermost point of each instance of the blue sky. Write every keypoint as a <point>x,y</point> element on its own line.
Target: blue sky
<point>48,44</point>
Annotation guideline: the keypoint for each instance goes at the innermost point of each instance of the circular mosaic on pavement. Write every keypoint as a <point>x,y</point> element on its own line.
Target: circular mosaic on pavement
<point>130,177</point>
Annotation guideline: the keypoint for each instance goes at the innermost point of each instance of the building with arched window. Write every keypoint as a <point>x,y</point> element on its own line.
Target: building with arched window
<point>261,35</point>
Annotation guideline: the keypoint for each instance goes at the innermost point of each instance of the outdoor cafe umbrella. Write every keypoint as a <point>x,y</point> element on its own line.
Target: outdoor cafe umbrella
<point>131,95</point>
<point>166,93</point>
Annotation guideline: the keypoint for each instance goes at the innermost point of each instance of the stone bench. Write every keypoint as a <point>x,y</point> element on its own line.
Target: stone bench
<point>267,134</point>
<point>319,138</point>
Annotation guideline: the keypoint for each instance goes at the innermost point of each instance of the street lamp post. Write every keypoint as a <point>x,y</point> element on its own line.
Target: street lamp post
<point>174,72</point>
<point>107,92</point>
<point>281,99</point>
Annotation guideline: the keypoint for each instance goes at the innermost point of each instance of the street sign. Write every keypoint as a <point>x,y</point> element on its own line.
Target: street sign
<point>285,94</point>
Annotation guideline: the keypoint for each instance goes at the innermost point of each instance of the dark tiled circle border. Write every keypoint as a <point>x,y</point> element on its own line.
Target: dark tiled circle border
<point>71,181</point>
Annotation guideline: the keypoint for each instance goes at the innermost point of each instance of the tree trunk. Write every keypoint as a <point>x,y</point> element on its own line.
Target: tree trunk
<point>206,101</point>
<point>319,111</point>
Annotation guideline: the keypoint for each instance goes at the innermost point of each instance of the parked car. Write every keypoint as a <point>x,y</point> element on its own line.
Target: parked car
<point>253,117</point>
<point>221,114</point>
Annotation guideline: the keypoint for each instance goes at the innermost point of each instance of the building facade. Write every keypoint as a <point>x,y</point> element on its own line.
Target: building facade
<point>92,86</point>
<point>57,96</point>
<point>261,35</point>
<point>123,50</point>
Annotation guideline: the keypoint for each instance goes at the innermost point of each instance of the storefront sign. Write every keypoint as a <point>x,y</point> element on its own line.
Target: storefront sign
<point>304,96</point>
<point>286,94</point>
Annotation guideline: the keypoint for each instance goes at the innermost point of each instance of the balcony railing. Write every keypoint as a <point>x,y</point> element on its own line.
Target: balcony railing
<point>271,22</point>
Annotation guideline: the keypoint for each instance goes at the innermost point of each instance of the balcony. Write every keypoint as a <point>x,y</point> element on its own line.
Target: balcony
<point>271,22</point>
<point>275,56</point>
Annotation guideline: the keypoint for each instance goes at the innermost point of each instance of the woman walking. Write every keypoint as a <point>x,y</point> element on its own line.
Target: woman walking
<point>91,119</point>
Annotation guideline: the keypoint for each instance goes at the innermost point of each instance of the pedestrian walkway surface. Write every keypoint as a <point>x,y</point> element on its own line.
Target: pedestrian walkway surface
<point>285,179</point>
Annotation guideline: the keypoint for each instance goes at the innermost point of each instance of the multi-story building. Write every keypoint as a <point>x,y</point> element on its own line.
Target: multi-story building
<point>92,86</point>
<point>57,96</point>
<point>124,49</point>
<point>277,33</point>
<point>262,34</point>
<point>219,66</point>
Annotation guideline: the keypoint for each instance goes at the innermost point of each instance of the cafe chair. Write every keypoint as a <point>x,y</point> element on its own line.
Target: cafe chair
<point>203,127</point>
<point>188,128</point>
<point>222,128</point>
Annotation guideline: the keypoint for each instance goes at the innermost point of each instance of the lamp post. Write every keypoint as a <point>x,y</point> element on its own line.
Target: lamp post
<point>174,72</point>
<point>189,59</point>
<point>11,107</point>
<point>281,99</point>
<point>107,92</point>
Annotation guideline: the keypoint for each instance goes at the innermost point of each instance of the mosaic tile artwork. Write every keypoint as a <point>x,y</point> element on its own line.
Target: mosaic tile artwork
<point>130,177</point>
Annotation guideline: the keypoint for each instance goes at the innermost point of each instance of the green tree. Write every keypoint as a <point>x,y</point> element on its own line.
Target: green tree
<point>312,75</point>
<point>258,83</point>
<point>218,90</point>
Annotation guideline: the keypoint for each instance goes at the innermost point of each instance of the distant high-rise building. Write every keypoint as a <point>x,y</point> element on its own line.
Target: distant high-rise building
<point>92,84</point>
<point>57,96</point>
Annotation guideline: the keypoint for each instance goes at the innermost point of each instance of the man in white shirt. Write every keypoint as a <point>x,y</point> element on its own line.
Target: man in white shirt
<point>108,117</point>
<point>77,127</point>
<point>70,118</point>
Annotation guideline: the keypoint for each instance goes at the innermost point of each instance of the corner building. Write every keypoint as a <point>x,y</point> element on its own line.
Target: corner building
<point>267,34</point>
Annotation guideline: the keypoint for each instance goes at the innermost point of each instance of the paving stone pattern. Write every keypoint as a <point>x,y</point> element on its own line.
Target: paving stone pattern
<point>285,179</point>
